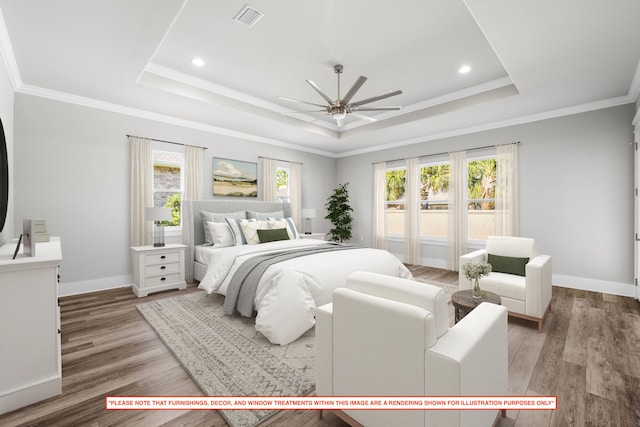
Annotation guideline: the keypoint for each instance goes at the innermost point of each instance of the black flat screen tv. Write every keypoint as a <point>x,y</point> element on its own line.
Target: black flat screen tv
<point>4,178</point>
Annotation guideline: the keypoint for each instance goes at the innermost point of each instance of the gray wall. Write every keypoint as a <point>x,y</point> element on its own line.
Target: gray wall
<point>6,114</point>
<point>576,189</point>
<point>73,166</point>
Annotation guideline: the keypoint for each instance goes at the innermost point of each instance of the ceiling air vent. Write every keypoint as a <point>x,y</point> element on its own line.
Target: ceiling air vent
<point>248,16</point>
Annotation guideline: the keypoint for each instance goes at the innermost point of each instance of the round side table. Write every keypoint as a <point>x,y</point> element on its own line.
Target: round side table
<point>463,302</point>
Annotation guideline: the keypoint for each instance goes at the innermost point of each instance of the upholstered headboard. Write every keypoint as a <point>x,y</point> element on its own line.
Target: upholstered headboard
<point>192,227</point>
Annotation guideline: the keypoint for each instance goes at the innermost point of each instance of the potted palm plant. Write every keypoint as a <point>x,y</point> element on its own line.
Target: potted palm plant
<point>339,213</point>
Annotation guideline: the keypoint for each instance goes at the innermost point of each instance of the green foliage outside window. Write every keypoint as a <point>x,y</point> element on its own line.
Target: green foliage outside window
<point>482,183</point>
<point>435,179</point>
<point>173,202</point>
<point>282,178</point>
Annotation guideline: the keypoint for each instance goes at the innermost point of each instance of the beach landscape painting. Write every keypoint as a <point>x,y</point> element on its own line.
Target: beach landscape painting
<point>234,178</point>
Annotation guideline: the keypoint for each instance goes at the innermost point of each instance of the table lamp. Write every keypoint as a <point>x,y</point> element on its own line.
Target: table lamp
<point>157,215</point>
<point>307,215</point>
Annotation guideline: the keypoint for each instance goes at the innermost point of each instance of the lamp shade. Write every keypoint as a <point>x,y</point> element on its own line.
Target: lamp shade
<point>308,213</point>
<point>158,214</point>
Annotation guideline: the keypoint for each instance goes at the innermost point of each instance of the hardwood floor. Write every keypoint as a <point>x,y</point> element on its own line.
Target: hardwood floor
<point>588,355</point>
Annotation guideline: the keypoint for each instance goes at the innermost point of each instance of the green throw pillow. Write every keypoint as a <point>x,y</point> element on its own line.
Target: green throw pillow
<point>507,264</point>
<point>272,235</point>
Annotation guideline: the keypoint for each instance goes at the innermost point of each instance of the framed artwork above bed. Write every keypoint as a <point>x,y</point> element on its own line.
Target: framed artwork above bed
<point>235,178</point>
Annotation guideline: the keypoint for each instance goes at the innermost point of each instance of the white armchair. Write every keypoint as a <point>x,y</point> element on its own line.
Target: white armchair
<point>388,336</point>
<point>526,296</point>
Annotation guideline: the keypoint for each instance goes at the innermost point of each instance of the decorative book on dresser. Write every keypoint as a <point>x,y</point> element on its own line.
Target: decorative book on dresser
<point>158,268</point>
<point>30,357</point>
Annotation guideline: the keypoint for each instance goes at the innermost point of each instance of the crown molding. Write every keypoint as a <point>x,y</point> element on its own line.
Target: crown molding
<point>9,57</point>
<point>634,88</point>
<point>135,112</point>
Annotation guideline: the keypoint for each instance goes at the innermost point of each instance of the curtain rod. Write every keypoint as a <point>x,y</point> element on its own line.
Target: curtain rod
<point>448,152</point>
<point>166,142</point>
<point>279,160</point>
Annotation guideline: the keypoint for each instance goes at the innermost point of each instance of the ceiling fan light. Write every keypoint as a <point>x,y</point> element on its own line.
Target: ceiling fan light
<point>339,115</point>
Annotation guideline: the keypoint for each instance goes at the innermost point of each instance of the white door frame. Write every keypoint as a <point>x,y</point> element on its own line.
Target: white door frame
<point>636,183</point>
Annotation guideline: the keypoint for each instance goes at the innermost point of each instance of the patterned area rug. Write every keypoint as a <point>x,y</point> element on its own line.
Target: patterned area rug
<point>227,357</point>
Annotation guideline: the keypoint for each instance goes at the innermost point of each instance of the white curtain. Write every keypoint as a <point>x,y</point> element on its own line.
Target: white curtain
<point>379,205</point>
<point>193,175</point>
<point>507,190</point>
<point>295,192</point>
<point>412,213</point>
<point>141,190</point>
<point>269,189</point>
<point>457,208</point>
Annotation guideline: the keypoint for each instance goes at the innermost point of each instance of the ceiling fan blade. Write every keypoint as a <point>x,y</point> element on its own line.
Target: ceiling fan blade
<point>301,102</point>
<point>376,98</point>
<point>362,116</point>
<point>322,94</point>
<point>356,86</point>
<point>390,108</point>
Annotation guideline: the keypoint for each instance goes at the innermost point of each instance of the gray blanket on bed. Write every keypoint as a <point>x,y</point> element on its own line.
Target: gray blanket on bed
<point>243,285</point>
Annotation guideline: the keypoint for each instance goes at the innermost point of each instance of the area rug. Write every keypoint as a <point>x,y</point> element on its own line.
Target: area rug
<point>227,357</point>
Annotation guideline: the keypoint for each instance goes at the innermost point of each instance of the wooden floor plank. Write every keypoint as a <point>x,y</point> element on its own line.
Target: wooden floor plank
<point>572,394</point>
<point>109,349</point>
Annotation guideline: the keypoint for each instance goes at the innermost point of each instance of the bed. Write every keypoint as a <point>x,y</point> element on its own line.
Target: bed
<point>281,282</point>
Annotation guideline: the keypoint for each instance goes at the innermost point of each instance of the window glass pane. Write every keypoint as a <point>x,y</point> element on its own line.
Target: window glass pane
<point>394,217</point>
<point>167,184</point>
<point>482,184</point>
<point>165,199</point>
<point>481,198</point>
<point>282,184</point>
<point>166,170</point>
<point>434,194</point>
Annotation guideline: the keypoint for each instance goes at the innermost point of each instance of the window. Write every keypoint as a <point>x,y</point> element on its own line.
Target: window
<point>167,184</point>
<point>282,184</point>
<point>481,202</point>
<point>434,204</point>
<point>394,217</point>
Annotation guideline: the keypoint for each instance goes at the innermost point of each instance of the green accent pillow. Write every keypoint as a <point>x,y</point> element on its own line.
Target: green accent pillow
<point>507,264</point>
<point>272,235</point>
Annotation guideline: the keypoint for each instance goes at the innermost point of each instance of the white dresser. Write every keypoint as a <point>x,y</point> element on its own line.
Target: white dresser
<point>30,357</point>
<point>158,268</point>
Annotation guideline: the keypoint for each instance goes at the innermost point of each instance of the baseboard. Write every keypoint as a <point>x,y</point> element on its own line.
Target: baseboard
<point>34,391</point>
<point>435,263</point>
<point>595,285</point>
<point>94,285</point>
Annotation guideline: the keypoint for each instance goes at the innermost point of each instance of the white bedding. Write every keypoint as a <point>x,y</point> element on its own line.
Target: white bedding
<point>289,291</point>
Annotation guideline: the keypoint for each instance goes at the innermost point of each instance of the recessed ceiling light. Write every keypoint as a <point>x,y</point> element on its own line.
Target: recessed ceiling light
<point>198,62</point>
<point>464,69</point>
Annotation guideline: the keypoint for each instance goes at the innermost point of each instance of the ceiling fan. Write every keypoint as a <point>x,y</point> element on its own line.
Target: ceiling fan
<point>339,108</point>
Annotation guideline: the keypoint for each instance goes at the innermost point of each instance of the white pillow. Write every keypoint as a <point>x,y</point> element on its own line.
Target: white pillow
<point>234,224</point>
<point>280,223</point>
<point>216,217</point>
<point>221,234</point>
<point>250,230</point>
<point>291,227</point>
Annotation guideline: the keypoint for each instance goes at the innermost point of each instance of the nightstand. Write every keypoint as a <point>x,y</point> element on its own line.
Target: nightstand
<point>318,236</point>
<point>158,268</point>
